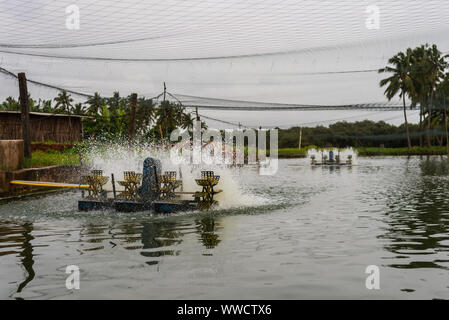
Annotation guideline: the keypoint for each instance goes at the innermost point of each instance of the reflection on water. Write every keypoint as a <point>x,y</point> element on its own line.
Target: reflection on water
<point>159,235</point>
<point>207,228</point>
<point>418,215</point>
<point>27,255</point>
<point>19,237</point>
<point>321,228</point>
<point>165,234</point>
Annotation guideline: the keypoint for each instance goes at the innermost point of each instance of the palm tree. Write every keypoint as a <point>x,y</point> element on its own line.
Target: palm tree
<point>64,102</point>
<point>420,94</point>
<point>95,104</point>
<point>441,100</point>
<point>187,121</point>
<point>10,104</point>
<point>167,118</point>
<point>78,109</point>
<point>37,106</point>
<point>436,65</point>
<point>46,106</point>
<point>399,82</point>
<point>428,66</point>
<point>145,114</point>
<point>114,103</point>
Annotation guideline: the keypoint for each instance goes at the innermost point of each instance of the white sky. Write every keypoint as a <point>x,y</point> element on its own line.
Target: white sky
<point>268,51</point>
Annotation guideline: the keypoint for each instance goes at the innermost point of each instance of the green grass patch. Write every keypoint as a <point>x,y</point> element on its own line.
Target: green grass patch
<point>436,150</point>
<point>367,152</point>
<point>292,152</point>
<point>51,158</point>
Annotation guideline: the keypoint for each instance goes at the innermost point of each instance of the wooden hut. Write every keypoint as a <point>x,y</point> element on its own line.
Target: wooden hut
<point>43,126</point>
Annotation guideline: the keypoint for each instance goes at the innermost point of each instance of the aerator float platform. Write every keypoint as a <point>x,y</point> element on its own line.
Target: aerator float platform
<point>149,190</point>
<point>331,161</point>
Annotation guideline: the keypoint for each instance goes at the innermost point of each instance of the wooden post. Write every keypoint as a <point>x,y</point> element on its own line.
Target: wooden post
<point>300,137</point>
<point>133,117</point>
<point>445,125</point>
<point>25,116</point>
<point>165,115</point>
<point>160,130</point>
<point>113,185</point>
<point>197,116</point>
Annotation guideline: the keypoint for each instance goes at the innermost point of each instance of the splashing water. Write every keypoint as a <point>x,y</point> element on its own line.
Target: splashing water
<point>119,157</point>
<point>344,153</point>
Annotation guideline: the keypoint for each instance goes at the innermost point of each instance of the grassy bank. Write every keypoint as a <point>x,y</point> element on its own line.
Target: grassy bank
<point>51,158</point>
<point>414,151</point>
<point>292,153</point>
<point>371,152</point>
<point>50,145</point>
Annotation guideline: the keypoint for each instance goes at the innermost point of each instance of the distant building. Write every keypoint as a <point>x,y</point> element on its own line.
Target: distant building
<point>43,126</point>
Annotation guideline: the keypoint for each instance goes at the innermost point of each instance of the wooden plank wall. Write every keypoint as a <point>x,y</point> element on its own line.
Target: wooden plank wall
<point>43,128</point>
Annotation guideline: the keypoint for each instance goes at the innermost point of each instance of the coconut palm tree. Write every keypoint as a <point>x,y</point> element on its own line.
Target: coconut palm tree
<point>145,114</point>
<point>95,104</point>
<point>114,103</point>
<point>419,94</point>
<point>187,121</point>
<point>78,109</point>
<point>399,82</point>
<point>44,106</point>
<point>441,100</point>
<point>428,66</point>
<point>435,64</point>
<point>167,118</point>
<point>10,104</point>
<point>64,103</point>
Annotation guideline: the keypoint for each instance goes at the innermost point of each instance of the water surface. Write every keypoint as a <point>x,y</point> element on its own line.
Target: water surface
<point>311,235</point>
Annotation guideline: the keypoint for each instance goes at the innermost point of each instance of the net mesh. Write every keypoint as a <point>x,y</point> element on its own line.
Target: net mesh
<point>244,56</point>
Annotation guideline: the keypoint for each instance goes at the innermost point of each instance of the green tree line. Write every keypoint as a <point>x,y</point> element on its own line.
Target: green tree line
<point>109,118</point>
<point>353,134</point>
<point>418,76</point>
<point>421,76</point>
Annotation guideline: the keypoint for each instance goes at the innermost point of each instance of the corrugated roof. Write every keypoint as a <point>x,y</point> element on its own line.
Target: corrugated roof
<point>44,114</point>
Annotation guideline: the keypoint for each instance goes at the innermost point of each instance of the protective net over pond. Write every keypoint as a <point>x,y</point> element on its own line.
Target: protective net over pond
<point>291,52</point>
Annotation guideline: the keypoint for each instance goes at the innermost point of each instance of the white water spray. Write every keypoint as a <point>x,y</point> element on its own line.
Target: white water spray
<point>344,153</point>
<point>117,158</point>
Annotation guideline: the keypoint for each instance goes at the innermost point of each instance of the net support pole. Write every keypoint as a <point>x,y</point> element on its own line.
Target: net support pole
<point>133,117</point>
<point>25,114</point>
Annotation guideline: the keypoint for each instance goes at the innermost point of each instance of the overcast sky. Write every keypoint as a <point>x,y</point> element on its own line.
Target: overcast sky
<point>269,51</point>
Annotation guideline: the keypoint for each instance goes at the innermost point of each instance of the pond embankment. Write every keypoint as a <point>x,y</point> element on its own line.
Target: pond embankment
<point>286,153</point>
<point>49,162</point>
<point>58,173</point>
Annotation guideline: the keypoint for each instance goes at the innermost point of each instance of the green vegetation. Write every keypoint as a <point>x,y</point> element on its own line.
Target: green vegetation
<point>292,152</point>
<point>419,75</point>
<point>51,158</point>
<point>353,134</point>
<point>401,151</point>
<point>371,152</point>
<point>109,118</point>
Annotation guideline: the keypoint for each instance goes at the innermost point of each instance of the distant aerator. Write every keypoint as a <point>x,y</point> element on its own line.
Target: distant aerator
<point>330,160</point>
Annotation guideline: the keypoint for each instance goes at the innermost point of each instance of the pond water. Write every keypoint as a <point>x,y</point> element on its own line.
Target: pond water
<point>302,233</point>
